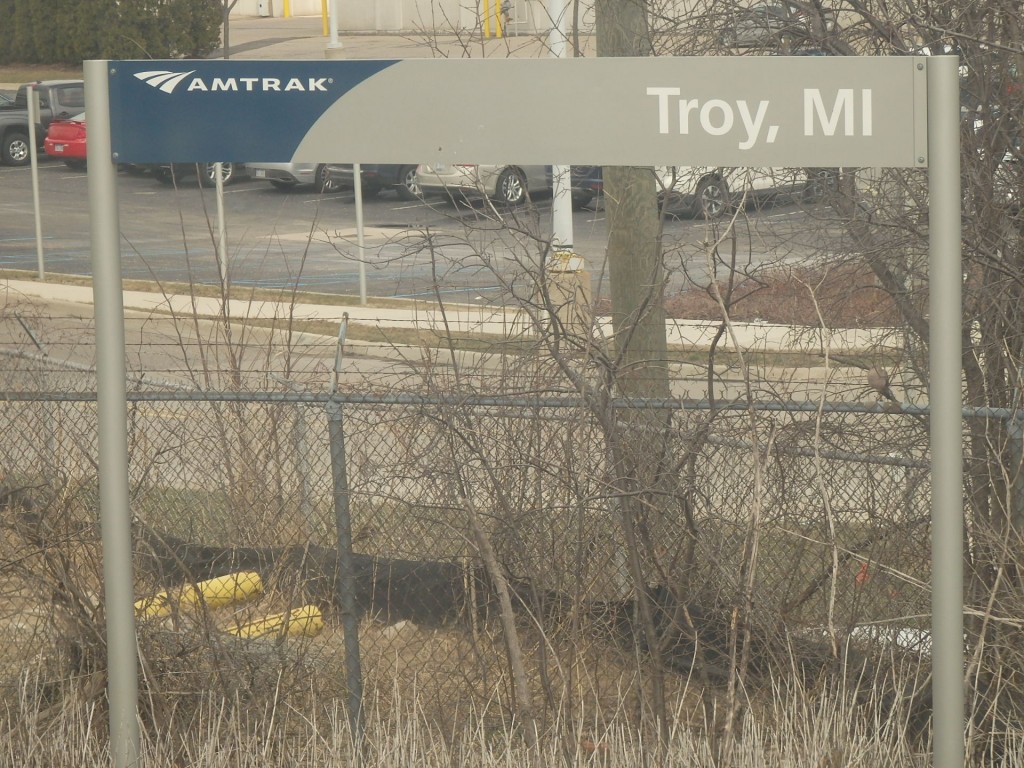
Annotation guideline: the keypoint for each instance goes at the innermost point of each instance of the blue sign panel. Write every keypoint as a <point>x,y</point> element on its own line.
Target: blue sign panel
<point>217,111</point>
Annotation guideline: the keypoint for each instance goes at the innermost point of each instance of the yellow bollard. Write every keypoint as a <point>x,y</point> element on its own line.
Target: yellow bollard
<point>491,16</point>
<point>215,593</point>
<point>306,621</point>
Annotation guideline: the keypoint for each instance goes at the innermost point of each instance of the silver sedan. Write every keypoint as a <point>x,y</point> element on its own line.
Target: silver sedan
<point>286,176</point>
<point>510,184</point>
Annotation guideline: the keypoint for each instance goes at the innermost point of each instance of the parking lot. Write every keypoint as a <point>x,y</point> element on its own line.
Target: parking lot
<point>275,239</point>
<point>301,239</point>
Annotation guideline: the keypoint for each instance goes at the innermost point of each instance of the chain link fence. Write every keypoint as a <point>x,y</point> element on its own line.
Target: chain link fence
<point>639,548</point>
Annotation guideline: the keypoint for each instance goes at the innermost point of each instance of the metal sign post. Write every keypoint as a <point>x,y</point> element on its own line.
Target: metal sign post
<point>945,396</point>
<point>111,393</point>
<point>33,120</point>
<point>781,111</point>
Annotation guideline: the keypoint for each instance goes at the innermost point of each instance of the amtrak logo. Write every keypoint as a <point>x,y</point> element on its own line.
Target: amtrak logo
<point>167,82</point>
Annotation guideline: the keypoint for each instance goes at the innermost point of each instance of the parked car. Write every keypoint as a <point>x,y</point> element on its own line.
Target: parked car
<point>509,184</point>
<point>287,176</point>
<point>770,24</point>
<point>1008,179</point>
<point>587,184</point>
<point>58,100</point>
<point>173,173</point>
<point>65,139</point>
<point>712,192</point>
<point>5,100</point>
<point>376,178</point>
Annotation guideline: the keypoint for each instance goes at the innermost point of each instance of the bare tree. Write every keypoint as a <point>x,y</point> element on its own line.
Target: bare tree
<point>229,5</point>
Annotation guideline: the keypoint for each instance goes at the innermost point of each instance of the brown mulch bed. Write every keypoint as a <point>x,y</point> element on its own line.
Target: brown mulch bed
<point>846,298</point>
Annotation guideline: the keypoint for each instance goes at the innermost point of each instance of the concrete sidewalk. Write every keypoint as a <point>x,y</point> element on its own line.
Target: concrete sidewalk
<point>303,37</point>
<point>495,322</point>
<point>394,360</point>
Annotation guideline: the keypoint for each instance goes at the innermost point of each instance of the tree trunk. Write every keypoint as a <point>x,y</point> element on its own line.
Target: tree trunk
<point>637,439</point>
<point>634,235</point>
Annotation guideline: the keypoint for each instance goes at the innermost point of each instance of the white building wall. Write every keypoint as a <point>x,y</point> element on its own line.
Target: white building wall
<point>440,16</point>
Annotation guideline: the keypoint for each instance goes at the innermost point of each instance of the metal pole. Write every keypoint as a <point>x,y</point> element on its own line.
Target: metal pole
<point>346,582</point>
<point>1015,435</point>
<point>334,25</point>
<point>222,232</point>
<point>561,178</point>
<point>115,512</point>
<point>357,181</point>
<point>33,118</point>
<point>945,395</point>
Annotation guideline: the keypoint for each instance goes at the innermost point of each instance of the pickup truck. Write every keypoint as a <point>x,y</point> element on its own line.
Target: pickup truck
<point>58,100</point>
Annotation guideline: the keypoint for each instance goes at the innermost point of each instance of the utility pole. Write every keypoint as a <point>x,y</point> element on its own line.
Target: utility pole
<point>561,182</point>
<point>333,44</point>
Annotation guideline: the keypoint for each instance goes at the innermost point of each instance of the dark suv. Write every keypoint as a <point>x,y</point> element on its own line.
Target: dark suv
<point>587,184</point>
<point>769,25</point>
<point>205,173</point>
<point>376,178</point>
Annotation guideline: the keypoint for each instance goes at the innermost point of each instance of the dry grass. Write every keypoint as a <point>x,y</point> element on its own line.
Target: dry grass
<point>792,731</point>
<point>18,74</point>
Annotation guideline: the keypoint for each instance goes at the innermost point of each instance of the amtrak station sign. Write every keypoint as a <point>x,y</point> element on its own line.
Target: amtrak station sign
<point>731,111</point>
<point>780,111</point>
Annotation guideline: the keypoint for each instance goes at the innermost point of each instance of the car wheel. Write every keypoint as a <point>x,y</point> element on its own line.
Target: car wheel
<point>581,200</point>
<point>282,186</point>
<point>821,184</point>
<point>511,187</point>
<point>407,185</point>
<point>208,173</point>
<point>15,150</point>
<point>370,190</point>
<point>163,175</point>
<point>321,181</point>
<point>712,197</point>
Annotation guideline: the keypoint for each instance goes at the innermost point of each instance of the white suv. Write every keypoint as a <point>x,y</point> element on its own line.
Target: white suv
<point>712,192</point>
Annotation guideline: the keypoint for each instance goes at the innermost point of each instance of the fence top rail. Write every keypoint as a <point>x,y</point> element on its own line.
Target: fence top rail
<point>511,401</point>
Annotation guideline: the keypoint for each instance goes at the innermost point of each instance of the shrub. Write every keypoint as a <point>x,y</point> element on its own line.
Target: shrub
<point>71,31</point>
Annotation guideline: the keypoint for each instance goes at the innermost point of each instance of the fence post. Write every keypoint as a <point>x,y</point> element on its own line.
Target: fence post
<point>1015,432</point>
<point>346,582</point>
<point>299,432</point>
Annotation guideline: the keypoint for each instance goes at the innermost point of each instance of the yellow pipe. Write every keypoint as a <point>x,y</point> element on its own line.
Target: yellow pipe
<point>323,14</point>
<point>287,8</point>
<point>215,593</point>
<point>305,621</point>
<point>487,17</point>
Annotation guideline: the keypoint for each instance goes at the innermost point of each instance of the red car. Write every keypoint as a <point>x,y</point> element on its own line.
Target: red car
<point>66,139</point>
